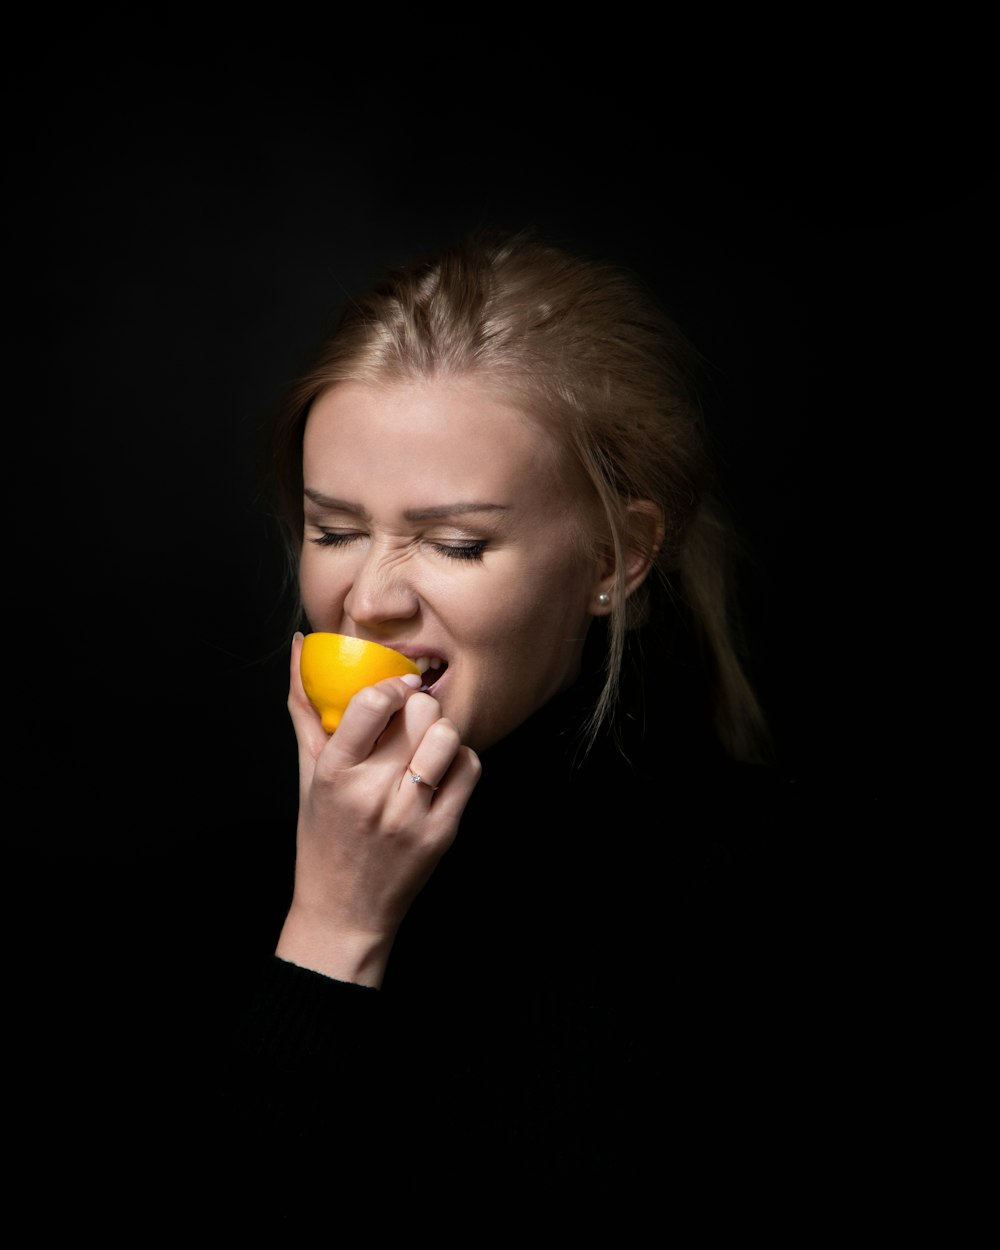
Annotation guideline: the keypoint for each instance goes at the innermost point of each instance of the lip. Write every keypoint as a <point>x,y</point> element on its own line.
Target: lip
<point>412,653</point>
<point>409,649</point>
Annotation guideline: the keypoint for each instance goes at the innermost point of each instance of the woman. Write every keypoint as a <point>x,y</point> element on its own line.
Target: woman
<point>528,886</point>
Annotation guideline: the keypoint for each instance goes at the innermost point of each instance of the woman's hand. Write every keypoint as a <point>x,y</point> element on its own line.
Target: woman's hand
<point>368,835</point>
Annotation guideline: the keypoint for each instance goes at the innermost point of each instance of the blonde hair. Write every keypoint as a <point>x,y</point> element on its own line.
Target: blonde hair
<point>588,353</point>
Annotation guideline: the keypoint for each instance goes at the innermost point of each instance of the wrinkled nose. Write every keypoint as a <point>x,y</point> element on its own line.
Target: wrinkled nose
<point>381,592</point>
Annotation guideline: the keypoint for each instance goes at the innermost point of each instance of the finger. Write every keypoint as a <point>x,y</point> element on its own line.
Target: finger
<point>366,719</point>
<point>433,756</point>
<point>455,788</point>
<point>437,812</point>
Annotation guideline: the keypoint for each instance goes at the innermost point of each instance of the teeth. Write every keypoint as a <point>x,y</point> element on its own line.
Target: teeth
<point>424,662</point>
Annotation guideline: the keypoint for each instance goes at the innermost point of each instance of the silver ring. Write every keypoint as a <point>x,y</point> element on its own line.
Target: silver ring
<point>418,780</point>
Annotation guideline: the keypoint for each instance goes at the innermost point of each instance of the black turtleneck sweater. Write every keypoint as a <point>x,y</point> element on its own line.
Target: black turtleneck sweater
<point>610,977</point>
<point>609,948</point>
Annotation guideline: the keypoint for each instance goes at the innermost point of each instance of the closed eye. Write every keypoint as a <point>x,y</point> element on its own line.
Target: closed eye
<point>336,538</point>
<point>452,551</point>
<point>461,551</point>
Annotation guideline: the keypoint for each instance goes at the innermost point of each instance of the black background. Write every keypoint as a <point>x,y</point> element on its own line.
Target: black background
<point>185,224</point>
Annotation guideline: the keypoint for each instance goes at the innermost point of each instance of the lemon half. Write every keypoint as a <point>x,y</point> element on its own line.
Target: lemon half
<point>335,667</point>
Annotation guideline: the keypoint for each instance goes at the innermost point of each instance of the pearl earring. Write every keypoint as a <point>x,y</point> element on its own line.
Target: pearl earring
<point>603,599</point>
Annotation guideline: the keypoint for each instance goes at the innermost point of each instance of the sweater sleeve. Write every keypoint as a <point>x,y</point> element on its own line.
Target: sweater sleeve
<point>294,1014</point>
<point>305,1047</point>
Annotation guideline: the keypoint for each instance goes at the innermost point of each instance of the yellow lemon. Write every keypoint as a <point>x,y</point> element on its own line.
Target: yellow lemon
<point>335,667</point>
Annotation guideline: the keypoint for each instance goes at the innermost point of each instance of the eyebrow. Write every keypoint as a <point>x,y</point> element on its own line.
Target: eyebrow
<point>462,508</point>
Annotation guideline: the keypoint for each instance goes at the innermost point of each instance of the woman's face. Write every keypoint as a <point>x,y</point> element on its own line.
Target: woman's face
<point>437,522</point>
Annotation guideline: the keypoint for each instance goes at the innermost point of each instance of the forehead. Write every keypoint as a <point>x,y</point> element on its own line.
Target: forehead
<point>449,432</point>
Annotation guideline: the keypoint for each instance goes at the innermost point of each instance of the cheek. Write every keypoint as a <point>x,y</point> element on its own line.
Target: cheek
<point>319,586</point>
<point>535,611</point>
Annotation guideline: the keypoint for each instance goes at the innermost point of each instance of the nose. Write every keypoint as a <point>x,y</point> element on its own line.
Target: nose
<point>382,592</point>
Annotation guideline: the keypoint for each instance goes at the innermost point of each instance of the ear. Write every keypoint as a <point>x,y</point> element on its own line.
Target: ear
<point>643,537</point>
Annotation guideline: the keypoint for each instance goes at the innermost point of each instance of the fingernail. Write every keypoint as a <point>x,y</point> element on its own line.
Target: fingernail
<point>413,679</point>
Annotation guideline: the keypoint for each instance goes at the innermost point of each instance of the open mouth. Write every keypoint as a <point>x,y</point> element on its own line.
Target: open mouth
<point>432,670</point>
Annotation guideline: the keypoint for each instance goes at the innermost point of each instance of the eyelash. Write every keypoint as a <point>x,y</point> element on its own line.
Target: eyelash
<point>471,551</point>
